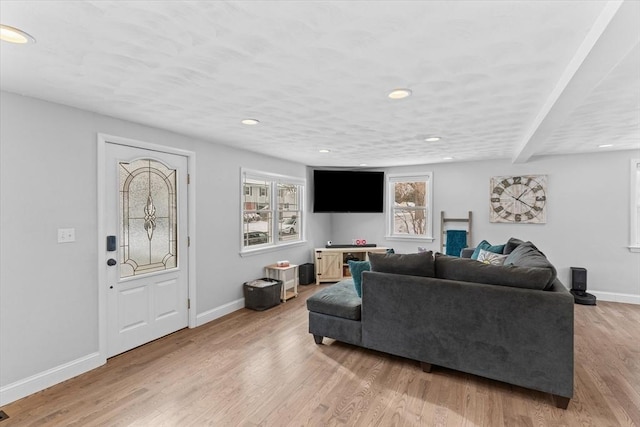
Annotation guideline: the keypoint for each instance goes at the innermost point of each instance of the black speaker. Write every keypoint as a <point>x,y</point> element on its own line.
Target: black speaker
<point>578,279</point>
<point>306,274</point>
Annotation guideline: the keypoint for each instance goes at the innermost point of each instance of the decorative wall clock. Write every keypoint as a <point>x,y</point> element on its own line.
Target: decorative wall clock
<point>519,199</point>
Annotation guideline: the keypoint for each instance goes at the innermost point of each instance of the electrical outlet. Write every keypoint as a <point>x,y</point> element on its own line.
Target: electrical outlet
<point>66,235</point>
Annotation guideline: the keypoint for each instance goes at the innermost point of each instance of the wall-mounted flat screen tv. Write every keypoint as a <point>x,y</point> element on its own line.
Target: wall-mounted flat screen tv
<point>348,191</point>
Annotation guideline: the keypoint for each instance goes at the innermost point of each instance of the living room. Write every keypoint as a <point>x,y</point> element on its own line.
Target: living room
<point>49,292</point>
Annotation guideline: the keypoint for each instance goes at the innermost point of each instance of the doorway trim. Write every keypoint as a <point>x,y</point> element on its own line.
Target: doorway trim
<point>102,141</point>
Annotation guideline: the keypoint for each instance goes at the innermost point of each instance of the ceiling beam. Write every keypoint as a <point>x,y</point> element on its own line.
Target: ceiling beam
<point>611,38</point>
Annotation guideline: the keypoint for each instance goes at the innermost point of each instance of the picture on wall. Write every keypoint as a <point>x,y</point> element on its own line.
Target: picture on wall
<point>518,199</point>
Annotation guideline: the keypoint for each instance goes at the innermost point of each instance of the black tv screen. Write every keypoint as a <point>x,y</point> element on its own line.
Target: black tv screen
<point>348,191</point>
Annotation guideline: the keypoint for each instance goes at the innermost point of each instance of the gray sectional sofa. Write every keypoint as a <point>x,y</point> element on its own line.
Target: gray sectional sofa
<point>511,322</point>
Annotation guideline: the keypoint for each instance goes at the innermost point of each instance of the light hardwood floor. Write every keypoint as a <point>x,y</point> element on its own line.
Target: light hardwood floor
<point>263,368</point>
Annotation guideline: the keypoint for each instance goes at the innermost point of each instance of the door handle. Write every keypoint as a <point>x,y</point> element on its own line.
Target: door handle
<point>111,262</point>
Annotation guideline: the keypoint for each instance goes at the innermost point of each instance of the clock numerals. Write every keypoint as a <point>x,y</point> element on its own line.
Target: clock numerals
<point>517,218</point>
<point>517,179</point>
<point>540,198</point>
<point>505,183</point>
<point>498,191</point>
<point>495,200</point>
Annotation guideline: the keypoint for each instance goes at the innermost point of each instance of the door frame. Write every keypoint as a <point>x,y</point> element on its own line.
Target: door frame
<point>102,140</point>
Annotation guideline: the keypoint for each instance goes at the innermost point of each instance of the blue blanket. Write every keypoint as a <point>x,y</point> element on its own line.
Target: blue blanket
<point>456,241</point>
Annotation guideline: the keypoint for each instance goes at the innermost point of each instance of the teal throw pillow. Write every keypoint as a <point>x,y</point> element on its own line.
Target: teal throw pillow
<point>484,245</point>
<point>356,268</point>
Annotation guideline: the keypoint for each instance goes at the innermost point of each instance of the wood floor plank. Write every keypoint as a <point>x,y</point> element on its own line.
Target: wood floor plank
<point>263,369</point>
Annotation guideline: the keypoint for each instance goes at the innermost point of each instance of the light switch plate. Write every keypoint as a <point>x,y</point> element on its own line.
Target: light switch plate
<point>66,235</point>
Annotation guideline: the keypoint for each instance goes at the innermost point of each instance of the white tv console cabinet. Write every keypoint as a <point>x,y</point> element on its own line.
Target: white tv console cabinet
<point>331,263</point>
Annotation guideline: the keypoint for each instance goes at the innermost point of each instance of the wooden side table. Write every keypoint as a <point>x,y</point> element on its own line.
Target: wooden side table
<point>289,277</point>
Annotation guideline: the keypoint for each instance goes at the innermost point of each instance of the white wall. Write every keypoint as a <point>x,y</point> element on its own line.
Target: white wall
<point>48,180</point>
<point>587,220</point>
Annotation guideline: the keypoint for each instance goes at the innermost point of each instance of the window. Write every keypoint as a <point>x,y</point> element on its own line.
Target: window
<point>634,239</point>
<point>409,206</point>
<point>272,210</point>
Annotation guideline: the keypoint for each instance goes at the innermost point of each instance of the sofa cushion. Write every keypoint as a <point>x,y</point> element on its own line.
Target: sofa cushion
<point>484,245</point>
<point>356,268</point>
<point>467,252</point>
<point>419,264</point>
<point>491,257</point>
<point>469,270</point>
<point>511,244</point>
<point>527,255</point>
<point>339,300</point>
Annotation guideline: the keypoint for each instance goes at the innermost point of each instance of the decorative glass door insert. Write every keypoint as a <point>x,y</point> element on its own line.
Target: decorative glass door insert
<point>148,239</point>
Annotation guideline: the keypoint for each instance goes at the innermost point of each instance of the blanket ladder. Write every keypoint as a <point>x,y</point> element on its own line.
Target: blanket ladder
<point>443,232</point>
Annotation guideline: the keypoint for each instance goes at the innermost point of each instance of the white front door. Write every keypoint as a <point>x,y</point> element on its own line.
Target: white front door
<point>146,245</point>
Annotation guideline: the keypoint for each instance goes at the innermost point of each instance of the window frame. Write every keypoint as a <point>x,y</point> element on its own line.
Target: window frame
<point>392,179</point>
<point>634,204</point>
<point>274,181</point>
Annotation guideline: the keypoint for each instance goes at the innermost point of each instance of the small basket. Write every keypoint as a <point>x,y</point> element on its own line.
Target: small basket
<point>262,294</point>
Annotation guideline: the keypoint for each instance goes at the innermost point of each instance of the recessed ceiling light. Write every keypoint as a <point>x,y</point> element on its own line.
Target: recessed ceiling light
<point>324,150</point>
<point>447,158</point>
<point>15,35</point>
<point>250,122</point>
<point>399,93</point>
<point>363,164</point>
<point>432,139</point>
<point>605,145</point>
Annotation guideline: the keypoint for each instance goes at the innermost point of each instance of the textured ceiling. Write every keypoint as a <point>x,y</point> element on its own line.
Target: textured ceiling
<point>495,79</point>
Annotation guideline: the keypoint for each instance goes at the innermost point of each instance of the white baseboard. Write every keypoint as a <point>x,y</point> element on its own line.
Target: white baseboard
<point>615,297</point>
<point>25,387</point>
<point>218,312</point>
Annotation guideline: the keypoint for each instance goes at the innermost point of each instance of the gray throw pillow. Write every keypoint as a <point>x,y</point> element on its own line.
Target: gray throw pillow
<point>470,270</point>
<point>527,255</point>
<point>420,264</point>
